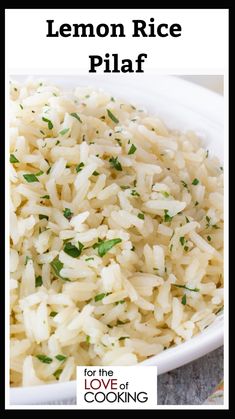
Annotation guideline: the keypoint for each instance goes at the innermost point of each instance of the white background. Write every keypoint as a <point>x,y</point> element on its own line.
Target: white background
<point>201,48</point>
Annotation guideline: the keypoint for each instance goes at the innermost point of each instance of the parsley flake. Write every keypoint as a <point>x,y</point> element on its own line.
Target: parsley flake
<point>64,131</point>
<point>134,193</point>
<point>75,115</point>
<point>53,313</point>
<point>49,123</point>
<point>114,162</point>
<point>57,373</point>
<point>105,246</point>
<point>68,213</point>
<point>72,250</point>
<point>187,288</point>
<point>60,357</point>
<point>182,241</point>
<point>184,299</point>
<point>57,265</point>
<point>167,218</point>
<point>100,297</point>
<point>79,167</point>
<point>112,116</point>
<point>30,178</point>
<point>132,149</point>
<point>43,358</point>
<point>38,281</point>
<point>13,159</point>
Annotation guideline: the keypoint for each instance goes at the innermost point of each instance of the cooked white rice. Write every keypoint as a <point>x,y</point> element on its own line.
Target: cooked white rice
<point>104,170</point>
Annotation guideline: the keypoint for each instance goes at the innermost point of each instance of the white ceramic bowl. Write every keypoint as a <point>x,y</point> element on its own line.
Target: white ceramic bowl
<point>182,105</point>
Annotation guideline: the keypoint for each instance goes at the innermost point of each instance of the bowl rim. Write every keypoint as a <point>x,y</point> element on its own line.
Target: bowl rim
<point>201,344</point>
